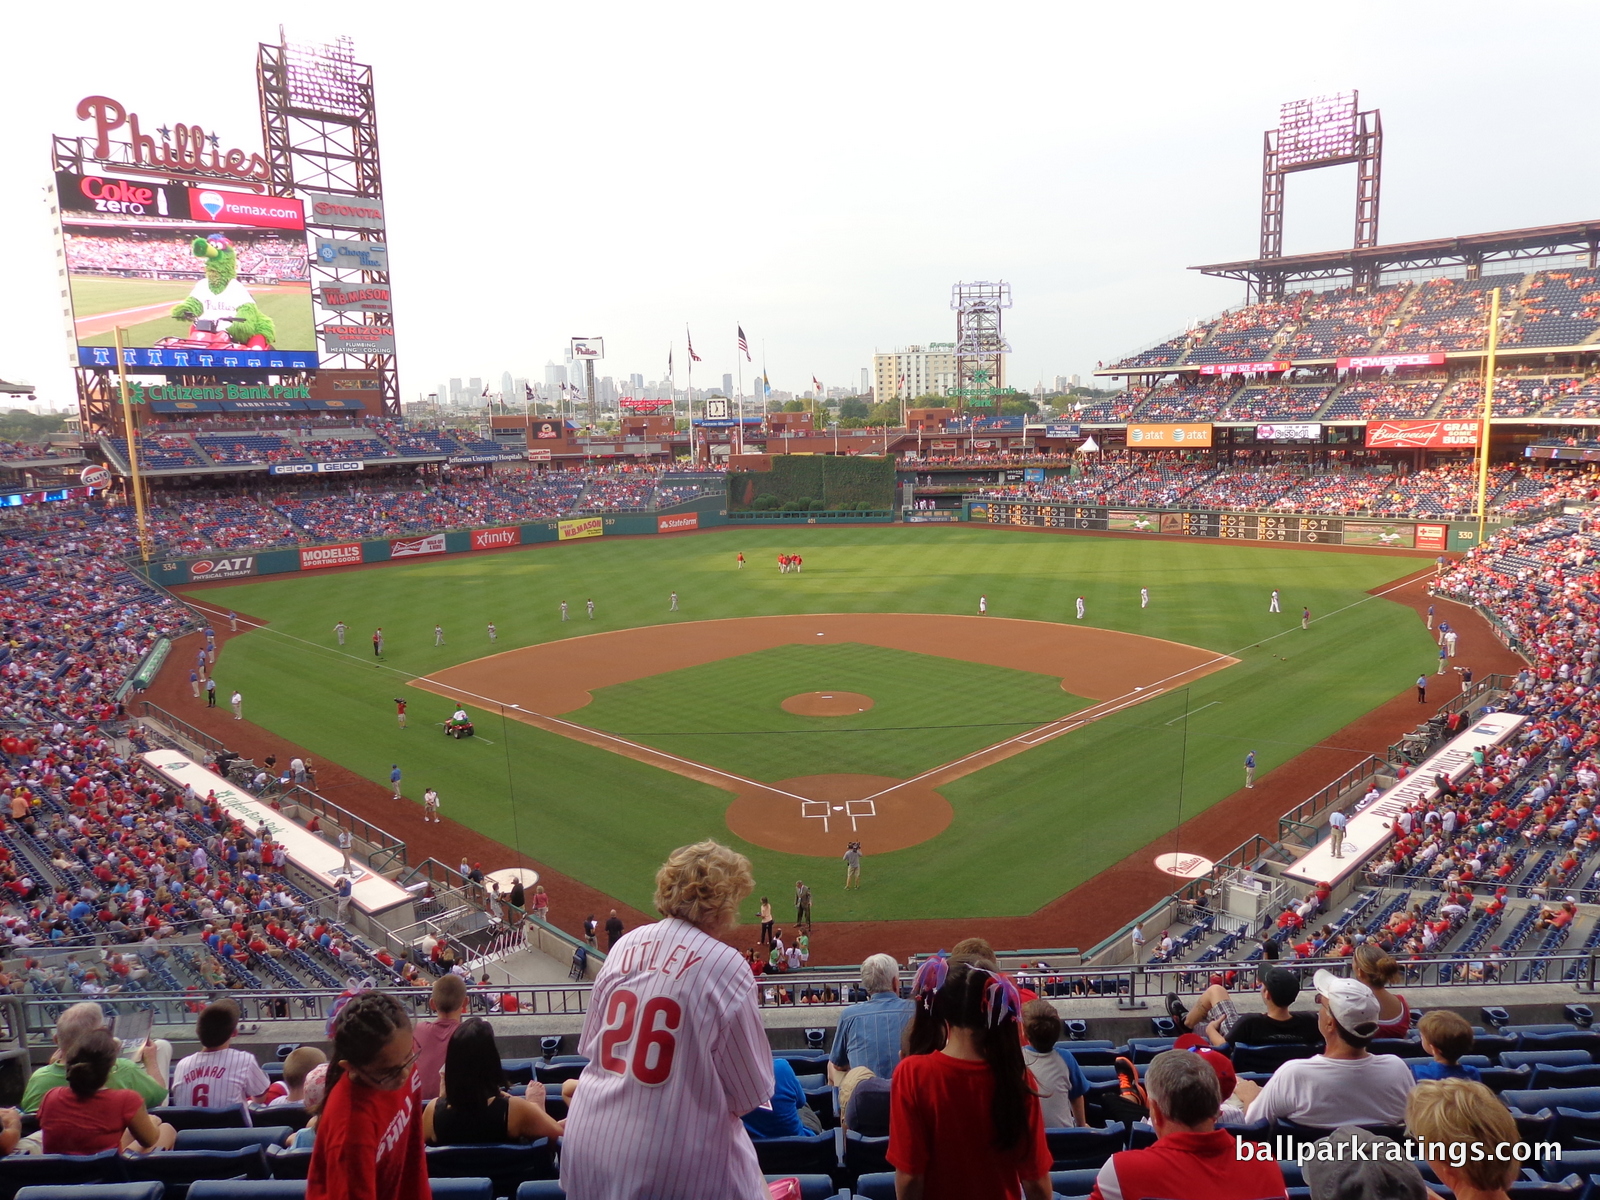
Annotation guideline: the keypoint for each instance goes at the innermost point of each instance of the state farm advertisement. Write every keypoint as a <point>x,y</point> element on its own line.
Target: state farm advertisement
<point>493,539</point>
<point>677,522</point>
<point>1423,435</point>
<point>316,557</point>
<point>412,547</point>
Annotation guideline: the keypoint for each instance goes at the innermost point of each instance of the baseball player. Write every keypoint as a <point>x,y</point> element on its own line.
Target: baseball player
<point>1250,769</point>
<point>1273,606</point>
<point>233,620</point>
<point>674,607</point>
<point>430,807</point>
<point>590,605</point>
<point>983,605</point>
<point>218,1076</point>
<point>400,711</point>
<point>394,779</point>
<point>741,560</point>
<point>1080,608</point>
<point>346,843</point>
<point>493,632</point>
<point>852,866</point>
<point>377,642</point>
<point>1466,678</point>
<point>563,610</point>
<point>1144,597</point>
<point>211,693</point>
<point>1450,642</point>
<point>1442,655</point>
<point>194,682</point>
<point>1305,618</point>
<point>236,702</point>
<point>675,1042</point>
<point>338,631</point>
<point>438,635</point>
<point>1430,616</point>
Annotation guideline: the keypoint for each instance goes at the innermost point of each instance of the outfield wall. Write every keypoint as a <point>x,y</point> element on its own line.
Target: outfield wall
<point>1377,532</point>
<point>705,512</point>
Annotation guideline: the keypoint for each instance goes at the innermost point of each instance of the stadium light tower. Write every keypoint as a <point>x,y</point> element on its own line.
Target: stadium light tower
<point>981,346</point>
<point>1322,131</point>
<point>319,124</point>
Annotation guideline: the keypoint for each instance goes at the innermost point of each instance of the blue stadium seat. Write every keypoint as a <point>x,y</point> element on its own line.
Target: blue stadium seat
<point>506,1164</point>
<point>1494,1044</point>
<point>1579,1076</point>
<point>294,1116</point>
<point>1587,1099</point>
<point>824,1101</point>
<point>877,1186</point>
<point>1573,1123</point>
<point>560,1068</point>
<point>540,1189</point>
<point>1501,1079</point>
<point>803,1154</point>
<point>1093,1053</point>
<point>1573,1187</point>
<point>1569,1039</point>
<point>865,1155</point>
<point>1311,1133</point>
<point>463,1187</point>
<point>518,1070</point>
<point>1545,1058</point>
<point>1584,1162</point>
<point>60,1170</point>
<point>800,1059</point>
<point>1267,1058</point>
<point>232,1139</point>
<point>181,1118</point>
<point>247,1189</point>
<point>179,1168</point>
<point>289,1164</point>
<point>1080,1149</point>
<point>92,1191</point>
<point>1142,1050</point>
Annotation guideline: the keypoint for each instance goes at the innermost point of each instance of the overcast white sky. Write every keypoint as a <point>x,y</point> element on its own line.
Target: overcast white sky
<point>823,173</point>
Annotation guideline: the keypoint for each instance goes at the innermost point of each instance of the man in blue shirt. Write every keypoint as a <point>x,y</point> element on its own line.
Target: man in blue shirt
<point>780,1117</point>
<point>869,1033</point>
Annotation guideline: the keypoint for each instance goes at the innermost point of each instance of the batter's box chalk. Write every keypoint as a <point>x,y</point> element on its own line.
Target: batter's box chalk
<point>861,808</point>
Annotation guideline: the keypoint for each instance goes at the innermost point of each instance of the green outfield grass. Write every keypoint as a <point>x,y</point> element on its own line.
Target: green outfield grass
<point>727,714</point>
<point>1024,830</point>
<point>93,295</point>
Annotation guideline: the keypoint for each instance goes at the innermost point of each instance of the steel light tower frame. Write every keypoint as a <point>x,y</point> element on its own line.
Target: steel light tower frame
<point>1322,131</point>
<point>981,346</point>
<point>319,126</point>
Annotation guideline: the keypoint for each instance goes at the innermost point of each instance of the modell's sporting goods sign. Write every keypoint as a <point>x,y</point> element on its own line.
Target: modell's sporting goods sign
<point>314,558</point>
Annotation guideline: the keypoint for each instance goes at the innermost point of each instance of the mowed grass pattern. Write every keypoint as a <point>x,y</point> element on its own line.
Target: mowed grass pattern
<point>1024,831</point>
<point>926,711</point>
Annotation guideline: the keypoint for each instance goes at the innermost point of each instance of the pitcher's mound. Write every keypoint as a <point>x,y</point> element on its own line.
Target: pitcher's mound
<point>826,704</point>
<point>822,814</point>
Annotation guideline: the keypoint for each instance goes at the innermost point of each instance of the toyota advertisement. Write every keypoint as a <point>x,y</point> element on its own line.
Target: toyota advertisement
<point>202,278</point>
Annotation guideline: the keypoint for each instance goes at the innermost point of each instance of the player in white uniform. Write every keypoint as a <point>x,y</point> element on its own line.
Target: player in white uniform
<point>676,1048</point>
<point>218,1076</point>
<point>1144,597</point>
<point>1273,607</point>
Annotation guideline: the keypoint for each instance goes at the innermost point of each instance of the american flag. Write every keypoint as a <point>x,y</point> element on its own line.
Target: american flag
<point>669,362</point>
<point>693,357</point>
<point>744,344</point>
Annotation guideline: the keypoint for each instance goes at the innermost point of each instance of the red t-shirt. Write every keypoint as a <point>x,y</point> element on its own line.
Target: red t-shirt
<point>369,1145</point>
<point>72,1124</point>
<point>939,1129</point>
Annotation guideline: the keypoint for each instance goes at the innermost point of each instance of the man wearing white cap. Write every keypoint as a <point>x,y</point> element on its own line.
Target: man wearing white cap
<point>1344,1085</point>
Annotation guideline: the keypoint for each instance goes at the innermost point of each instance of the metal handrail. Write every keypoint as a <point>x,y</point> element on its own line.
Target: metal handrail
<point>180,727</point>
<point>385,852</point>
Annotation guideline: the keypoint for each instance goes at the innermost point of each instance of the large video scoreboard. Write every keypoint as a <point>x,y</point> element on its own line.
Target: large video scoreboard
<point>1237,526</point>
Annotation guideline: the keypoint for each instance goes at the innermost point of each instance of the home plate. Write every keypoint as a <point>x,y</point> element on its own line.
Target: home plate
<point>838,808</point>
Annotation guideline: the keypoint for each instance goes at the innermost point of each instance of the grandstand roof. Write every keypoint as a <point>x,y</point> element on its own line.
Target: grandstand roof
<point>1469,249</point>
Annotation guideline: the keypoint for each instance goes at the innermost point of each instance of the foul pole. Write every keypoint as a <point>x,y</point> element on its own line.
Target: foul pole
<point>133,450</point>
<point>1491,345</point>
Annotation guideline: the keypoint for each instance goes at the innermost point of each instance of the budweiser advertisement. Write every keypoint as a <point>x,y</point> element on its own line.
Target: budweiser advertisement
<point>677,522</point>
<point>1423,435</point>
<point>412,547</point>
<point>494,539</point>
<point>1361,362</point>
<point>314,558</point>
<point>629,404</point>
<point>1251,368</point>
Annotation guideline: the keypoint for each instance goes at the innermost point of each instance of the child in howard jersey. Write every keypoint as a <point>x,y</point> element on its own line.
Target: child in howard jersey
<point>676,1048</point>
<point>369,1131</point>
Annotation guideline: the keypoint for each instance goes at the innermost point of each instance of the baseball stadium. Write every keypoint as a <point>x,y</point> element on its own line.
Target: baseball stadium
<point>1262,675</point>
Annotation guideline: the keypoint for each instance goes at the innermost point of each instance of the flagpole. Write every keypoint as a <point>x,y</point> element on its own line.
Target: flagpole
<point>738,365</point>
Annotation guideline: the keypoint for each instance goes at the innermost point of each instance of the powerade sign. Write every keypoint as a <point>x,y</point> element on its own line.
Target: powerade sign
<point>222,568</point>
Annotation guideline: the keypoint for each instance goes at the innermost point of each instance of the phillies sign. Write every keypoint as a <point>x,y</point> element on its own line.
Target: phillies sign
<point>494,539</point>
<point>182,148</point>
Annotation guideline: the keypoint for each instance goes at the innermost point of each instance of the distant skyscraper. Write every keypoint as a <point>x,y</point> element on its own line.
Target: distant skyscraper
<point>636,382</point>
<point>506,384</point>
<point>442,396</point>
<point>866,381</point>
<point>1063,383</point>
<point>555,374</point>
<point>727,385</point>
<point>455,393</point>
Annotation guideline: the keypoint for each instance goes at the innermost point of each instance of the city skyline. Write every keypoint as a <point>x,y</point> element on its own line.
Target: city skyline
<point>1101,184</point>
